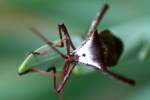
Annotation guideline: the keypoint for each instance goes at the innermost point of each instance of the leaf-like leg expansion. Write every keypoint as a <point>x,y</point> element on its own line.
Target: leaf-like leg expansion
<point>119,77</point>
<point>50,43</point>
<point>97,19</point>
<point>62,28</point>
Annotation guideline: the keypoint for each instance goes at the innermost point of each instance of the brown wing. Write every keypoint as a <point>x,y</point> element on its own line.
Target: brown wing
<point>112,47</point>
<point>96,49</point>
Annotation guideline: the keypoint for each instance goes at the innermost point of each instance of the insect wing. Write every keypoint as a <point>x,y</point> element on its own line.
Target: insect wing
<point>112,47</point>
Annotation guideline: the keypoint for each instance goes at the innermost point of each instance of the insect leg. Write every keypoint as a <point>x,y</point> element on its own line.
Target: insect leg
<point>36,71</point>
<point>47,73</point>
<point>119,77</point>
<point>63,73</point>
<point>97,19</point>
<point>48,42</point>
<point>54,76</point>
<point>39,53</point>
<point>62,28</point>
<point>69,43</point>
<point>58,44</point>
<point>60,88</point>
<point>60,35</point>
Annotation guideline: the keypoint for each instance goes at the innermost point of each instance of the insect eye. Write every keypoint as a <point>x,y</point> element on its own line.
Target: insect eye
<point>84,55</point>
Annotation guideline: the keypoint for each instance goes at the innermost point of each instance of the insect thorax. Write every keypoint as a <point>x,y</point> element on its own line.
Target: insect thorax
<point>88,53</point>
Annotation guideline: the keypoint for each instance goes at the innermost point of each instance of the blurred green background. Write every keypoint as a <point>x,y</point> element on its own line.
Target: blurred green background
<point>128,19</point>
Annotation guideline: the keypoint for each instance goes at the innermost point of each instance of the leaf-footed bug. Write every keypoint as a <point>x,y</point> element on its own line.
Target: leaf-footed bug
<point>100,50</point>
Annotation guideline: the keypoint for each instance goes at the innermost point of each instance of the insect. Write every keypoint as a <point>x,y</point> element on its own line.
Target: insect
<point>100,51</point>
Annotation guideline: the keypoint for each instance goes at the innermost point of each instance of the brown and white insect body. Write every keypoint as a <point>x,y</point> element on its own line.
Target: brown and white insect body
<point>99,50</point>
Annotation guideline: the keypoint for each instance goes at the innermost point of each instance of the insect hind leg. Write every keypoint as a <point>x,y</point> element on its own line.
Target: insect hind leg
<point>119,77</point>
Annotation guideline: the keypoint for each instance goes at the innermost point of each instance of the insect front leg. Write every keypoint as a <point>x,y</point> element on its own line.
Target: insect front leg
<point>62,28</point>
<point>46,50</point>
<point>63,73</point>
<point>69,44</point>
<point>48,42</point>
<point>66,77</point>
<point>42,53</point>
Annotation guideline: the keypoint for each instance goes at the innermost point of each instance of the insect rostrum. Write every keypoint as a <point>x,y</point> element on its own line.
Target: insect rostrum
<point>100,51</point>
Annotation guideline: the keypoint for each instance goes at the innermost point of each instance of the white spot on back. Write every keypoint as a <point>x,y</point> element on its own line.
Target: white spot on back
<point>85,49</point>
